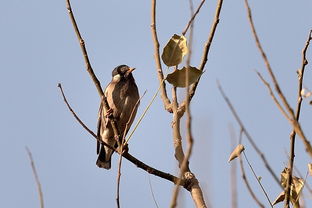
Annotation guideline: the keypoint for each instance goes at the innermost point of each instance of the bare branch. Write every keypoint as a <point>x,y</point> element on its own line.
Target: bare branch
<point>293,120</point>
<point>193,17</point>
<point>33,167</point>
<point>250,139</point>
<point>293,133</point>
<point>258,180</point>
<point>84,50</point>
<point>207,47</point>
<point>151,188</point>
<point>280,107</point>
<point>160,74</point>
<point>252,194</point>
<point>122,150</point>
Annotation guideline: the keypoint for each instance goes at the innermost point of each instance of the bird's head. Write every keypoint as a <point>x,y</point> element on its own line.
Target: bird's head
<point>122,72</point>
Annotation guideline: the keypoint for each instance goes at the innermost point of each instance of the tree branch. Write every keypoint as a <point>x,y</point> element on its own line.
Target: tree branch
<point>84,50</point>
<point>127,155</point>
<point>250,139</point>
<point>163,91</point>
<point>33,167</point>
<point>293,120</point>
<point>293,133</point>
<point>206,49</point>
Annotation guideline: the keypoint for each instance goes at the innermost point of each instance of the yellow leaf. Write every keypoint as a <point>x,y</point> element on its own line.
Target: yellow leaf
<point>178,77</point>
<point>175,50</point>
<point>236,152</point>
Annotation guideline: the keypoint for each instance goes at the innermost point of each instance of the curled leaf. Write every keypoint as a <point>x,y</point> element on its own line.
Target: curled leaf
<point>178,77</point>
<point>236,152</point>
<point>280,198</point>
<point>175,50</point>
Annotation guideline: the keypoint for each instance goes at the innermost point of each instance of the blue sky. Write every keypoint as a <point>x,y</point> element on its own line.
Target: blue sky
<point>39,49</point>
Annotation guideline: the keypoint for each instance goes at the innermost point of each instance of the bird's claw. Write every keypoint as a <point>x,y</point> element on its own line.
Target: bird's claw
<point>109,113</point>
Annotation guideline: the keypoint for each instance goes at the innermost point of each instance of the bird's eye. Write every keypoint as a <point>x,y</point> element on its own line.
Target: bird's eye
<point>117,78</point>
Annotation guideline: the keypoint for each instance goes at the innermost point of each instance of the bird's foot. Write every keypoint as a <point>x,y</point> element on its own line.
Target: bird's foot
<point>109,113</point>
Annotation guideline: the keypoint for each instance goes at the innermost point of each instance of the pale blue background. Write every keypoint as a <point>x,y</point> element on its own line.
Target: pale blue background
<point>39,49</point>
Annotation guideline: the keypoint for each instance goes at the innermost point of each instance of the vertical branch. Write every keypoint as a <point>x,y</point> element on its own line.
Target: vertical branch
<point>293,133</point>
<point>33,167</point>
<point>160,74</point>
<point>177,138</point>
<point>189,137</point>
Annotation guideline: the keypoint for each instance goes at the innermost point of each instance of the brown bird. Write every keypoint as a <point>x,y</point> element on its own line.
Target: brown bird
<point>123,99</point>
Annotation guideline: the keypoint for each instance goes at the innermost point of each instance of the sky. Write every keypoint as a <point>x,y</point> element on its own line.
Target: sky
<point>39,49</point>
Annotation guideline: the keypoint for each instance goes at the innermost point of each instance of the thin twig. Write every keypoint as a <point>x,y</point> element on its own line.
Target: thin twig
<point>33,167</point>
<point>118,179</point>
<point>206,49</point>
<point>90,70</point>
<point>233,171</point>
<point>84,50</point>
<point>152,192</point>
<point>253,195</point>
<point>160,74</point>
<point>280,107</point>
<point>266,61</point>
<point>293,121</point>
<point>126,155</point>
<point>193,17</point>
<point>74,114</point>
<point>250,139</point>
<point>122,150</point>
<point>265,193</point>
<point>293,133</point>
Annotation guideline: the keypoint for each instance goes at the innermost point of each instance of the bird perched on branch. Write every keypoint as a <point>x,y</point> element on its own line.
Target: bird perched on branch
<point>123,99</point>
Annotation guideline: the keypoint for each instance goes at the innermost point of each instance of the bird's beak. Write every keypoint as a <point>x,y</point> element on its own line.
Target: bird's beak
<point>131,70</point>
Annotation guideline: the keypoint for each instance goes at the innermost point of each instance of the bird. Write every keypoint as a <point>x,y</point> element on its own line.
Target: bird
<point>123,99</point>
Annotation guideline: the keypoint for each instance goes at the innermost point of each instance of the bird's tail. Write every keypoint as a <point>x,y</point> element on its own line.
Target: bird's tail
<point>104,159</point>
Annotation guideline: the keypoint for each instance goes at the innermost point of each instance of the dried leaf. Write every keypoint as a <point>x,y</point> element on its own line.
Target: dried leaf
<point>284,174</point>
<point>178,77</point>
<point>236,152</point>
<point>296,187</point>
<point>280,198</point>
<point>175,50</point>
<point>310,168</point>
